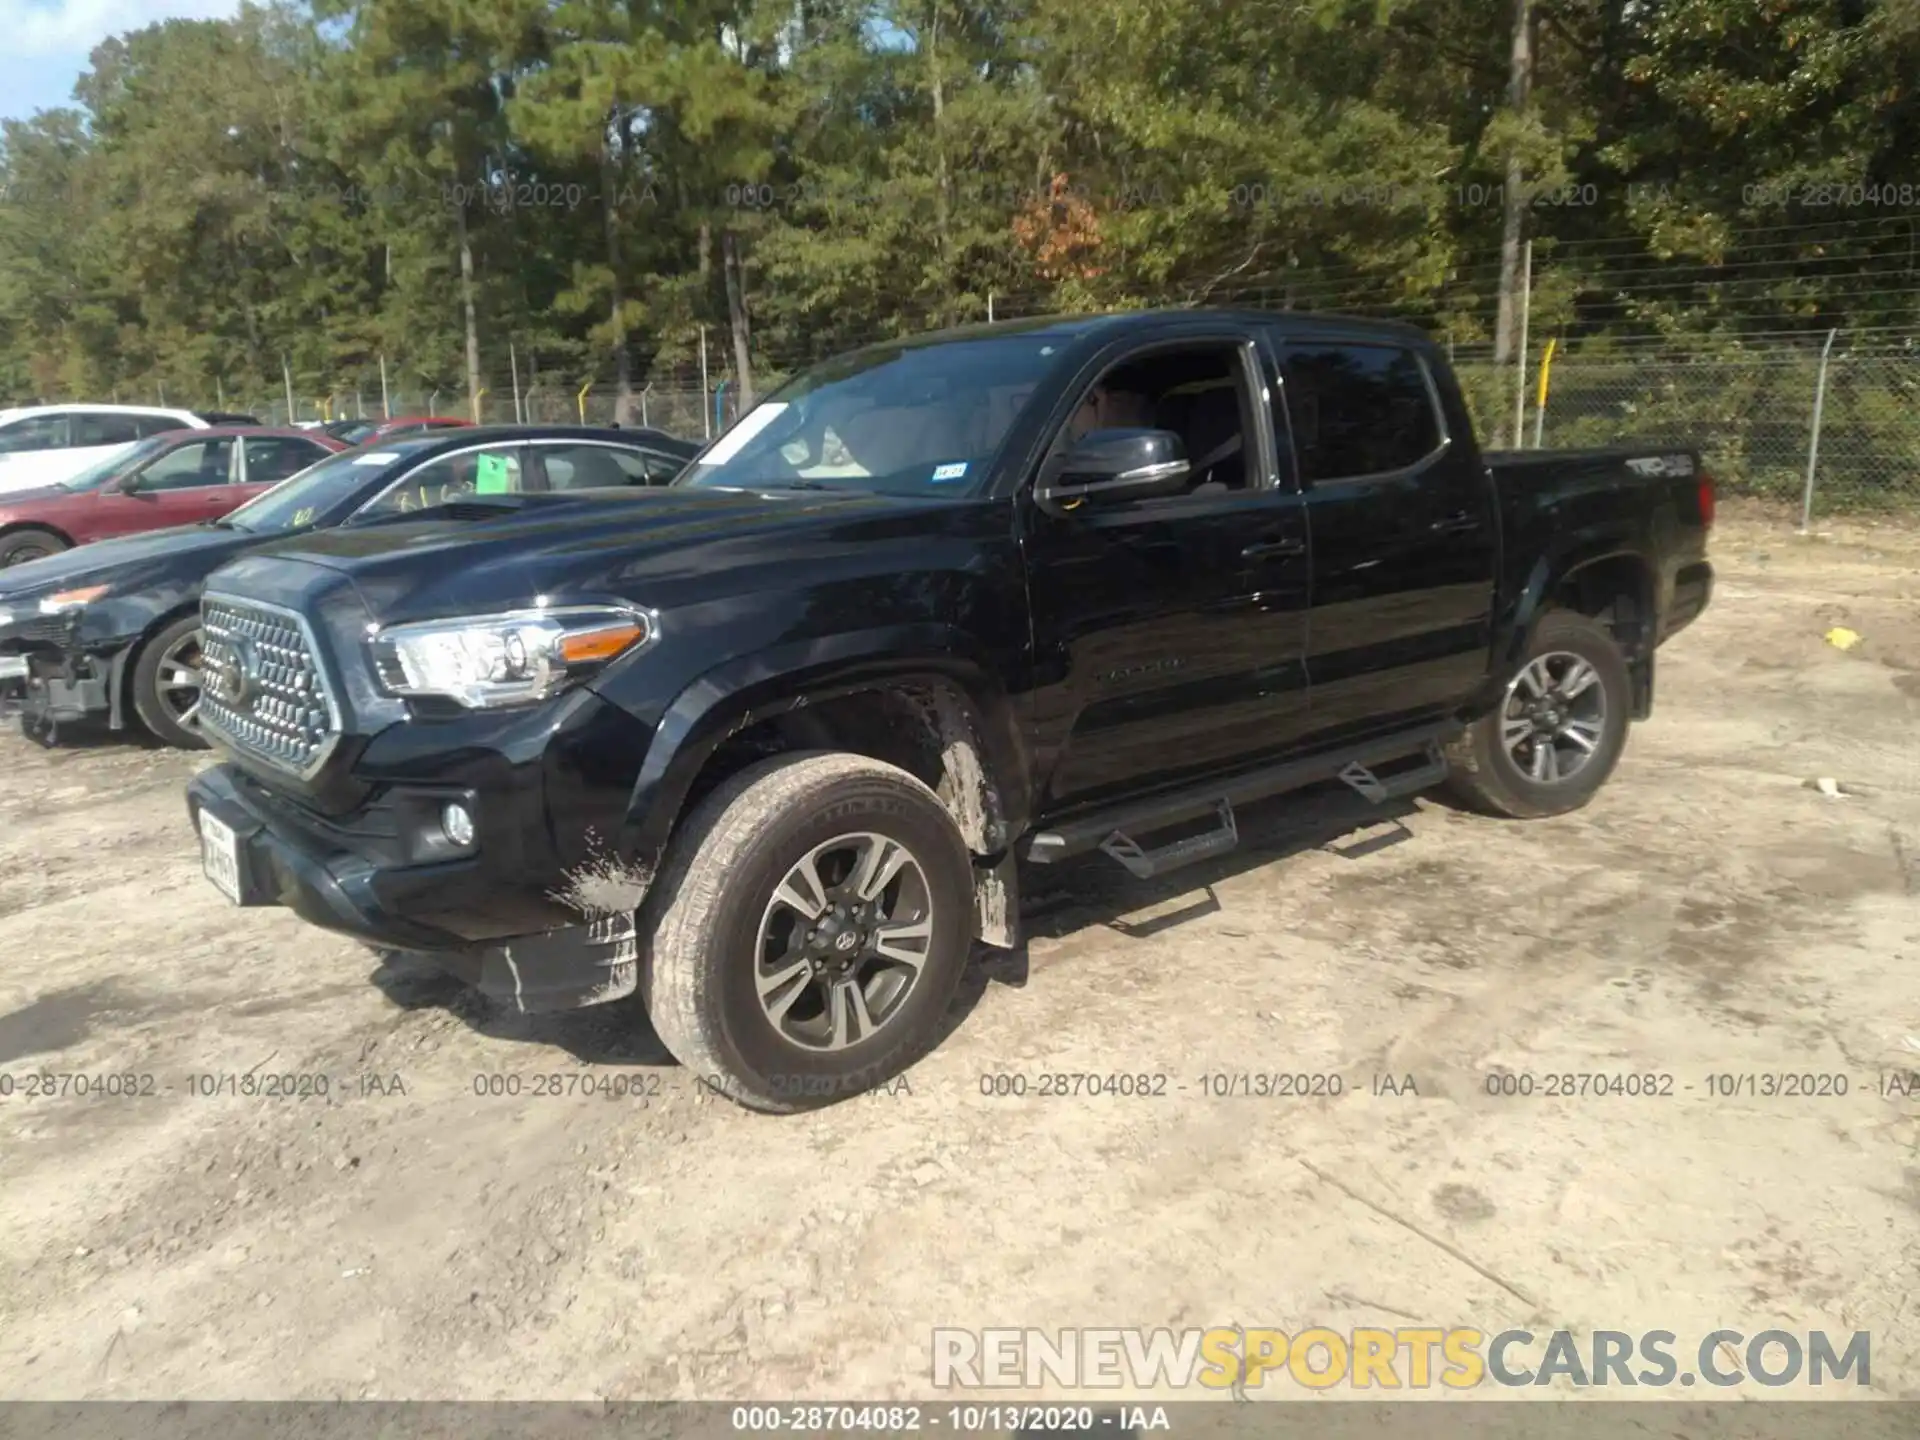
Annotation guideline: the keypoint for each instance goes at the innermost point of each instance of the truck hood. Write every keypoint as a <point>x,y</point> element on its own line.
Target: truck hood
<point>641,544</point>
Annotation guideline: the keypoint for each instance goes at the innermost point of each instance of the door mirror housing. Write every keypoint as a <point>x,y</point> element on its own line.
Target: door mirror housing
<point>1111,466</point>
<point>127,484</point>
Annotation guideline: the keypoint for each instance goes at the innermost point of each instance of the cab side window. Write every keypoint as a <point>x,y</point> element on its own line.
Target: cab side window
<point>95,427</point>
<point>274,458</point>
<point>1199,392</point>
<point>189,467</point>
<point>1359,410</point>
<point>37,432</point>
<point>443,481</point>
<point>594,467</point>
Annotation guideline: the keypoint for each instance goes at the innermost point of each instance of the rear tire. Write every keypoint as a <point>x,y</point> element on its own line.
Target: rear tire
<point>162,696</point>
<point>30,542</point>
<point>786,1006</point>
<point>1558,731</point>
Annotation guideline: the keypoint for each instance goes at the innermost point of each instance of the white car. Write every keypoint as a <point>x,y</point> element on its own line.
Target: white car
<point>45,444</point>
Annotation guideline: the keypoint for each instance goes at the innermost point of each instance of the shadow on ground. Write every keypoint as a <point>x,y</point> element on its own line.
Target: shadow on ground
<point>1055,900</point>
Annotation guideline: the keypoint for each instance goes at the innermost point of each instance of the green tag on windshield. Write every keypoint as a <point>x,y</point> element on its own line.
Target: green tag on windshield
<point>493,476</point>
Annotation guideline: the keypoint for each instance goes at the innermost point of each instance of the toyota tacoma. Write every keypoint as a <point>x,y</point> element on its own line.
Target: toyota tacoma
<point>770,744</point>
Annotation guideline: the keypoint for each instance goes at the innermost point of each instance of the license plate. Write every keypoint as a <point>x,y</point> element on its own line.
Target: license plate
<point>220,855</point>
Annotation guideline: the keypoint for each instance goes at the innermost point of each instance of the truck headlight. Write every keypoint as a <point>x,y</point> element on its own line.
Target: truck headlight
<point>487,661</point>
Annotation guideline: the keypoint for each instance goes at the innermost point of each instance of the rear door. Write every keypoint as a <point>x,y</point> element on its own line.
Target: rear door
<point>184,485</point>
<point>1403,532</point>
<point>1169,632</point>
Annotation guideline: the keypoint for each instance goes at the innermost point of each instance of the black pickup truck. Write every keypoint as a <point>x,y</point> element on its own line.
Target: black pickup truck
<point>770,744</point>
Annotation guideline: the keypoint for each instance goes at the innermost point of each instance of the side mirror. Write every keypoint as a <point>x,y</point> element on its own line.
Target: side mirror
<point>127,484</point>
<point>1115,465</point>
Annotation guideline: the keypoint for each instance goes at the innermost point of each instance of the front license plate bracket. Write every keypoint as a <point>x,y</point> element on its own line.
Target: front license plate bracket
<point>223,854</point>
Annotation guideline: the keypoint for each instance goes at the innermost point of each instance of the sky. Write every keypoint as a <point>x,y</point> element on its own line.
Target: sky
<point>44,44</point>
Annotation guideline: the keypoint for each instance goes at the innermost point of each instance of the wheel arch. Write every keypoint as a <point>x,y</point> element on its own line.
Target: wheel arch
<point>127,659</point>
<point>933,708</point>
<point>1611,582</point>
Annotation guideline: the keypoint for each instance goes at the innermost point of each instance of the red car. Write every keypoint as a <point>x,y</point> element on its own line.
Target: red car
<point>368,432</point>
<point>179,477</point>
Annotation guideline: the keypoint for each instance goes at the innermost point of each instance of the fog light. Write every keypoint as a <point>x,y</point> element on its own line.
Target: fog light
<point>458,824</point>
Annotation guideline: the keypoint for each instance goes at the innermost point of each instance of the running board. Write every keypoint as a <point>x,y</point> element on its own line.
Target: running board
<point>1144,864</point>
<point>1371,788</point>
<point>1111,831</point>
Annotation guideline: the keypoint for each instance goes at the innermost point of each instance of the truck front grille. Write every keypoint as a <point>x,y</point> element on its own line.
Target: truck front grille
<point>264,690</point>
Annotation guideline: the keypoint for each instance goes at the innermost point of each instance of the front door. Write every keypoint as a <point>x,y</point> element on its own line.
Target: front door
<point>187,484</point>
<point>1169,633</point>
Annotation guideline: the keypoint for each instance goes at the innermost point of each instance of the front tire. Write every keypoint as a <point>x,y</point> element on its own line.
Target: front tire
<point>17,547</point>
<point>166,684</point>
<point>1558,731</point>
<point>808,931</point>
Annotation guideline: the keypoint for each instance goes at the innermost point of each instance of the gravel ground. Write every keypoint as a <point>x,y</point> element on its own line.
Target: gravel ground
<point>408,1236</point>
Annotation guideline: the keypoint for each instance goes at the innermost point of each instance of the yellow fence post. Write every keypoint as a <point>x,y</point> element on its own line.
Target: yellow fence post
<point>1540,401</point>
<point>581,400</point>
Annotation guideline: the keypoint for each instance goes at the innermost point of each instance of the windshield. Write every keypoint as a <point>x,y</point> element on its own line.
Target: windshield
<point>118,463</point>
<point>909,420</point>
<point>300,500</point>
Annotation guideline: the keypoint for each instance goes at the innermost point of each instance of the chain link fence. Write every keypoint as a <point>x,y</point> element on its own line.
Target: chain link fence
<point>1751,415</point>
<point>685,411</point>
<point>1750,411</point>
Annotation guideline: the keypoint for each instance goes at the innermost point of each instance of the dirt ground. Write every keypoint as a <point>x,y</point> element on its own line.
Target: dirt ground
<point>1713,912</point>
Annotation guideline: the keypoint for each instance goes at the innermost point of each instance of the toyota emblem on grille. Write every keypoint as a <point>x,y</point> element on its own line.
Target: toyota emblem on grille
<point>231,670</point>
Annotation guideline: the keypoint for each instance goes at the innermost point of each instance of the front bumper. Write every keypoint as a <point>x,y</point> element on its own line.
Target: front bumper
<point>53,677</point>
<point>52,692</point>
<point>392,904</point>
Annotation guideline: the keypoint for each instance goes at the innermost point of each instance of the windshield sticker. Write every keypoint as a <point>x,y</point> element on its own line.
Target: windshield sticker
<point>378,457</point>
<point>949,472</point>
<point>735,440</point>
<point>302,516</point>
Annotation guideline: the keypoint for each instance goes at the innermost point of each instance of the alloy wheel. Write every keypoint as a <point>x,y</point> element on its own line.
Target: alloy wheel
<point>843,941</point>
<point>1553,717</point>
<point>179,680</point>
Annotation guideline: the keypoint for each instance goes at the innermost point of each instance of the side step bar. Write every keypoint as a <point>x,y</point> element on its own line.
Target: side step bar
<point>1112,831</point>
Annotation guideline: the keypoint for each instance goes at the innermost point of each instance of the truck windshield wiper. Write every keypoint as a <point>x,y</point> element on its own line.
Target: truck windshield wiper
<point>798,485</point>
